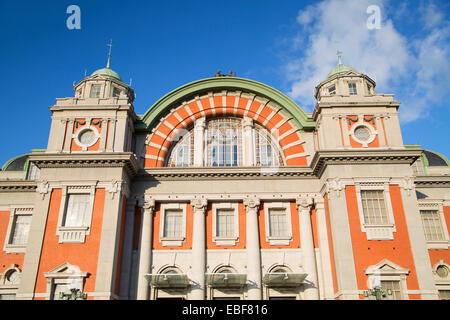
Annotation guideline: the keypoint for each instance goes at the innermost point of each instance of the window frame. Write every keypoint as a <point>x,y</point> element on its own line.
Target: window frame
<point>88,127</point>
<point>376,231</point>
<point>14,212</point>
<point>99,92</point>
<point>373,133</point>
<point>208,138</point>
<point>331,92</point>
<point>65,274</point>
<point>75,234</point>
<point>172,241</point>
<point>441,283</point>
<point>119,90</point>
<point>225,241</point>
<point>7,287</point>
<point>378,273</point>
<point>352,83</point>
<point>435,205</point>
<point>278,240</point>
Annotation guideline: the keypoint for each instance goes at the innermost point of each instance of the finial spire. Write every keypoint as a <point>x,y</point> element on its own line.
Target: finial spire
<point>109,54</point>
<point>339,54</point>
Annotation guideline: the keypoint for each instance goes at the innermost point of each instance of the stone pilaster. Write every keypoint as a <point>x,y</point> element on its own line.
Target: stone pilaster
<point>307,244</point>
<point>324,249</point>
<point>198,249</point>
<point>145,248</point>
<point>254,287</point>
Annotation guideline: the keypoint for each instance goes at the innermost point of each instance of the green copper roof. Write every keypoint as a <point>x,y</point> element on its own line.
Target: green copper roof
<point>168,101</point>
<point>341,68</point>
<point>107,72</point>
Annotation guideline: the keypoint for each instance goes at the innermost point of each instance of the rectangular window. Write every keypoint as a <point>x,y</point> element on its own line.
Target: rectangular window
<point>173,222</point>
<point>116,92</point>
<point>374,207</point>
<point>394,286</point>
<point>58,288</point>
<point>77,210</point>
<point>332,90</point>
<point>7,297</point>
<point>432,225</point>
<point>225,223</point>
<point>444,294</point>
<point>278,223</point>
<point>95,91</point>
<point>418,167</point>
<point>21,229</point>
<point>33,172</point>
<point>352,88</point>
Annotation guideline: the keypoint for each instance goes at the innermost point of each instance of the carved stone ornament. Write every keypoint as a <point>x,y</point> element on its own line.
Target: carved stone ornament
<point>149,203</point>
<point>335,185</point>
<point>408,185</point>
<point>304,203</point>
<point>113,188</point>
<point>251,203</point>
<point>199,204</point>
<point>42,188</point>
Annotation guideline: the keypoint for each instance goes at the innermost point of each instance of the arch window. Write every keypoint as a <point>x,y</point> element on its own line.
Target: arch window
<point>223,142</point>
<point>182,154</point>
<point>267,153</point>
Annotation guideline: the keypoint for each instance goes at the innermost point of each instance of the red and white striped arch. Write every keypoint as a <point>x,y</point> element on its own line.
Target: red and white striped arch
<point>225,103</point>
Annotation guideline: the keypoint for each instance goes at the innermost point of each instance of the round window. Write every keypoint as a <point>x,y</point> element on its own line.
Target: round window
<point>362,133</point>
<point>87,137</point>
<point>442,271</point>
<point>12,276</point>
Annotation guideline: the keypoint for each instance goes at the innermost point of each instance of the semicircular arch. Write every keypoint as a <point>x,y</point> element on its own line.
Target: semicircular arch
<point>216,97</point>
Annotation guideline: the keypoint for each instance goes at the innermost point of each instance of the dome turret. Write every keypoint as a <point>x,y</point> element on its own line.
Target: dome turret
<point>340,68</point>
<point>107,72</point>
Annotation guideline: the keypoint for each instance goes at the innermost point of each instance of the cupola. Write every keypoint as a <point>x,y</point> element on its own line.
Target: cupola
<point>103,83</point>
<point>344,80</point>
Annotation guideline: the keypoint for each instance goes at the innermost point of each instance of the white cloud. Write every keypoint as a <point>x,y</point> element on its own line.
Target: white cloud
<point>419,68</point>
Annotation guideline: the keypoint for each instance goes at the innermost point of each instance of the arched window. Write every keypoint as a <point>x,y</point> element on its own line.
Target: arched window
<point>182,154</point>
<point>221,144</point>
<point>224,142</point>
<point>267,153</point>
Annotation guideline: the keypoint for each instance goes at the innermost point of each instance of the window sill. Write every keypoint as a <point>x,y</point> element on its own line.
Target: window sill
<point>379,231</point>
<point>15,248</point>
<point>279,241</point>
<point>225,241</point>
<point>172,242</point>
<point>442,244</point>
<point>72,234</point>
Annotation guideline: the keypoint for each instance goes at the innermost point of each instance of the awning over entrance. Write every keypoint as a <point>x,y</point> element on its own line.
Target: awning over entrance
<point>279,279</point>
<point>168,280</point>
<point>226,280</point>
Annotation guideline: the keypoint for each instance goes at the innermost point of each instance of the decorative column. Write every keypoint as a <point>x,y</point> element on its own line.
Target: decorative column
<point>307,244</point>
<point>324,248</point>
<point>198,249</point>
<point>199,144</point>
<point>145,248</point>
<point>347,286</point>
<point>254,288</point>
<point>248,156</point>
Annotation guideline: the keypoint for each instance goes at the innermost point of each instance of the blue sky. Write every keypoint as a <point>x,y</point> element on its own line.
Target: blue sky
<point>290,45</point>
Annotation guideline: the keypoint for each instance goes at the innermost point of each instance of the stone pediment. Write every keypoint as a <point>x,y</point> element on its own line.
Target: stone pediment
<point>66,270</point>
